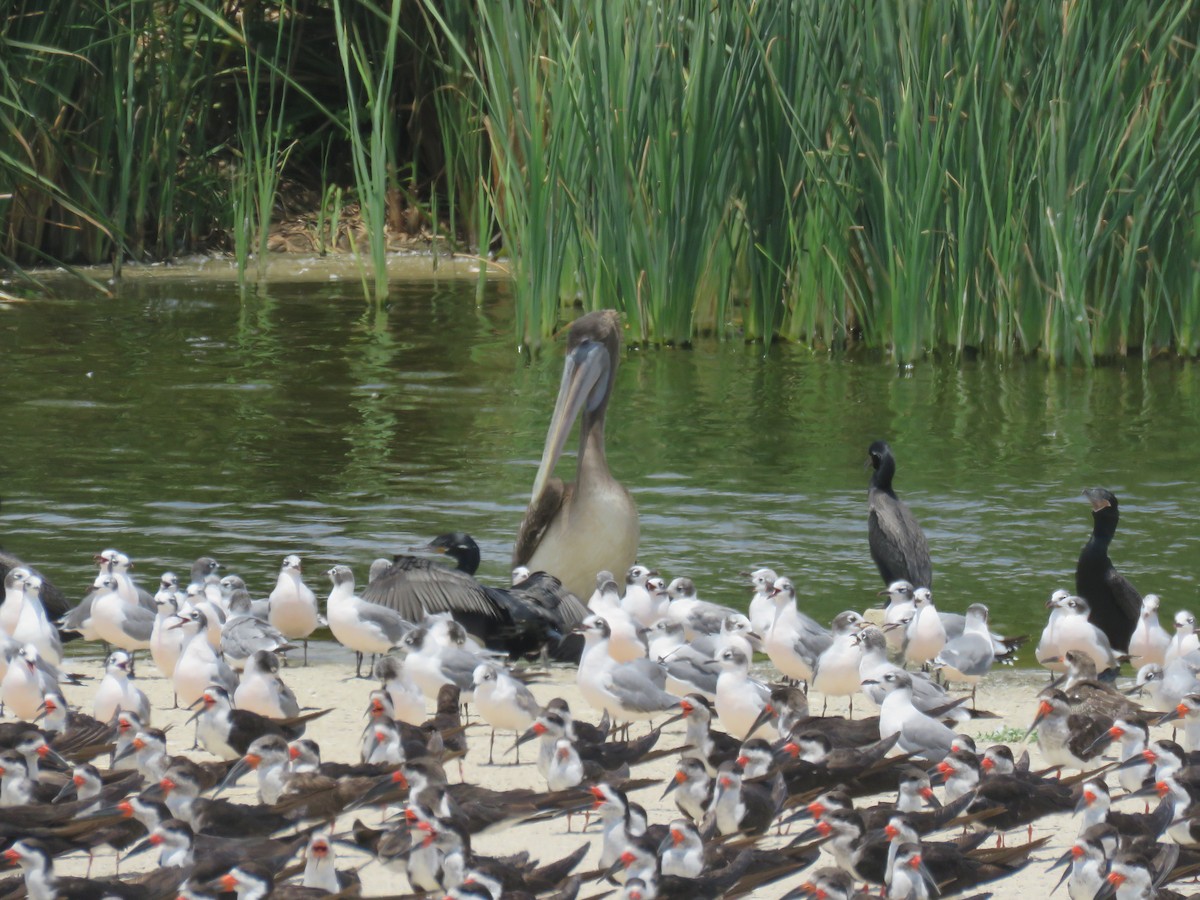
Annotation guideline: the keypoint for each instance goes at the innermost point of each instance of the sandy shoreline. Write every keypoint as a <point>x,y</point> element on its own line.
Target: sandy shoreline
<point>330,683</point>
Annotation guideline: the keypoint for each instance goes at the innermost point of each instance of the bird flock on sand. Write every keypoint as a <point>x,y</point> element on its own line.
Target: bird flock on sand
<point>893,800</point>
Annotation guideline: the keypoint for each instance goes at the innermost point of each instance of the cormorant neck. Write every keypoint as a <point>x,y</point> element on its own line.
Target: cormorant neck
<point>881,478</point>
<point>1104,526</point>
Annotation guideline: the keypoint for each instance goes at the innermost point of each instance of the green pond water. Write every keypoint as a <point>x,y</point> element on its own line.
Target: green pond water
<point>181,419</point>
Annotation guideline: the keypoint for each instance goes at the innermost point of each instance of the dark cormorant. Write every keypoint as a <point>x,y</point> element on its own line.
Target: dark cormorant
<point>518,620</point>
<point>575,530</point>
<point>1116,604</point>
<point>897,541</point>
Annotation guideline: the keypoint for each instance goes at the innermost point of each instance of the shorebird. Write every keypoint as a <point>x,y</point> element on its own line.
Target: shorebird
<point>968,657</point>
<point>408,703</point>
<point>1067,738</point>
<point>920,734</point>
<point>116,692</point>
<point>26,682</point>
<point>836,671</point>
<point>899,608</point>
<point>924,634</point>
<point>793,641</point>
<point>166,643</point>
<point>503,702</point>
<point>762,603</point>
<point>625,691</point>
<point>292,605</point>
<point>262,690</point>
<point>928,695</point>
<point>692,786</point>
<point>740,699</point>
<point>1069,628</point>
<point>1150,640</point>
<point>32,625</point>
<point>645,608</point>
<point>244,633</point>
<point>1184,640</point>
<point>686,662</point>
<point>361,626</point>
<point>199,665</point>
<point>119,622</point>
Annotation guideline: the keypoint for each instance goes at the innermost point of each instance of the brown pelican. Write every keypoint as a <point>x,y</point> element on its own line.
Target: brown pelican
<point>590,525</point>
<point>897,541</point>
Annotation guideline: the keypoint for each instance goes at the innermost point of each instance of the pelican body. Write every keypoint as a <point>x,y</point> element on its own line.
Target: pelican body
<point>575,530</point>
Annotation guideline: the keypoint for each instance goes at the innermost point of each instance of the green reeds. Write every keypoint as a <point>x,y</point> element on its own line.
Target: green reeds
<point>1011,179</point>
<point>366,45</point>
<point>262,129</point>
<point>1002,178</point>
<point>96,97</point>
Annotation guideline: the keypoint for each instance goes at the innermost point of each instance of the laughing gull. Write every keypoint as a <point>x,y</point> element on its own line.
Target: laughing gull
<point>686,663</point>
<point>166,643</point>
<point>645,608</point>
<point>899,609</point>
<point>968,657</point>
<point>14,598</point>
<point>361,626</point>
<point>762,605</point>
<point>503,702</point>
<point>199,665</point>
<point>1069,629</point>
<point>438,652</point>
<point>836,673</point>
<point>920,734</point>
<point>244,634</point>
<point>697,616</point>
<point>79,617</point>
<point>116,692</point>
<point>793,641</point>
<point>626,691</point>
<point>1183,641</point>
<point>927,694</point>
<point>26,682</point>
<point>204,576</point>
<point>261,690</point>
<point>119,622</point>
<point>924,634</point>
<point>33,626</point>
<point>624,641</point>
<point>408,703</point>
<point>234,590</point>
<point>292,605</point>
<point>740,698</point>
<point>1150,640</point>
<point>196,596</point>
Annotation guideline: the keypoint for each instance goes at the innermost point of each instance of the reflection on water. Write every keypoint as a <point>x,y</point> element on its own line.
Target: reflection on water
<point>180,420</point>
